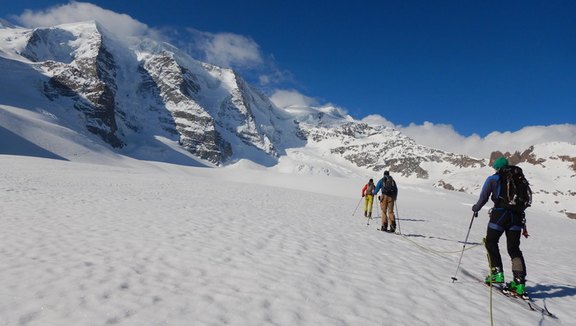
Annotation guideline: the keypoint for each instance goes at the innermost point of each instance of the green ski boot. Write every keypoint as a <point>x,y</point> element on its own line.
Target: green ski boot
<point>497,276</point>
<point>517,287</point>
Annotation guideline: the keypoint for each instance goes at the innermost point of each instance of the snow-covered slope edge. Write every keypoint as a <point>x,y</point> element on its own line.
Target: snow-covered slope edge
<point>148,244</point>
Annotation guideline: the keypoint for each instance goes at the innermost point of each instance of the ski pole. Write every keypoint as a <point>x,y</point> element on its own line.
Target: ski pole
<point>464,246</point>
<point>397,217</point>
<point>355,209</point>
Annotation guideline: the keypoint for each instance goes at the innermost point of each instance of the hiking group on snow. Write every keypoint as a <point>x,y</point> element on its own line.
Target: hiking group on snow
<point>386,199</point>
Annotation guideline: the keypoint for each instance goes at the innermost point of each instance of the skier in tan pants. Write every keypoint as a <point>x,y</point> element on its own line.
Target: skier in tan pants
<point>387,199</point>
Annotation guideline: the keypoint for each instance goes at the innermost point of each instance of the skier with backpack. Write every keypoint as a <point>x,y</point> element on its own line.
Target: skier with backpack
<point>511,194</point>
<point>387,200</point>
<point>367,193</point>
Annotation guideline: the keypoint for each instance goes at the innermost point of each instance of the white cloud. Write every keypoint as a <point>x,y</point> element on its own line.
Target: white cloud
<point>264,79</point>
<point>120,24</point>
<point>286,98</point>
<point>377,120</point>
<point>221,49</point>
<point>269,75</point>
<point>444,137</point>
<point>226,49</point>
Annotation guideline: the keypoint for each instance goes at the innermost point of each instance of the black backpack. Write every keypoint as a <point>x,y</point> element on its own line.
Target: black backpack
<point>514,190</point>
<point>389,187</point>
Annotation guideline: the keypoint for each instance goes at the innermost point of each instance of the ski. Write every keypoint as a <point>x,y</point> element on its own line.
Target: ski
<point>378,229</point>
<point>530,303</point>
<point>525,301</point>
<point>542,309</point>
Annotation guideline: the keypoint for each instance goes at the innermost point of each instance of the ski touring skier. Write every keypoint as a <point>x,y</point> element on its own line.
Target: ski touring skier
<point>387,200</point>
<point>367,193</point>
<point>503,220</point>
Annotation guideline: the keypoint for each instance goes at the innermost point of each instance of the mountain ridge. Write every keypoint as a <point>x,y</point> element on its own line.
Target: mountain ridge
<point>143,93</point>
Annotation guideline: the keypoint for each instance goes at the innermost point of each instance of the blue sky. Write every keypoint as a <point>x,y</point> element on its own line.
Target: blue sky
<point>478,66</point>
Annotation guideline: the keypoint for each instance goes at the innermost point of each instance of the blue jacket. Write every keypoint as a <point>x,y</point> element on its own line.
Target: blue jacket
<point>489,191</point>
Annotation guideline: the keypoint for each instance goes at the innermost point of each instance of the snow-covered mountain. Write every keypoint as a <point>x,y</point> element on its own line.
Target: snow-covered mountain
<point>121,91</point>
<point>149,100</point>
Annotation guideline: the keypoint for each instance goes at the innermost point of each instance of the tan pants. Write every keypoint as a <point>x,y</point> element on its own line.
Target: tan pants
<point>387,206</point>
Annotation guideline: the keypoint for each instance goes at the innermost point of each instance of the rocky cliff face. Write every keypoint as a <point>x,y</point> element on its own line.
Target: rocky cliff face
<point>89,80</point>
<point>177,92</point>
<point>122,90</point>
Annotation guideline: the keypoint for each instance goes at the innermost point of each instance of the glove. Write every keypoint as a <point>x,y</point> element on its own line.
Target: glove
<point>525,232</point>
<point>475,208</point>
<point>362,195</point>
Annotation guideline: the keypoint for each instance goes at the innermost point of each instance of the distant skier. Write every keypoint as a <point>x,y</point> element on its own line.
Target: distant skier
<point>505,219</point>
<point>387,199</point>
<point>367,193</point>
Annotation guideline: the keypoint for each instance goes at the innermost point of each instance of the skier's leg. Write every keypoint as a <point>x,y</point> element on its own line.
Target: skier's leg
<point>492,238</point>
<point>370,204</point>
<point>518,264</point>
<point>518,284</point>
<point>384,206</point>
<point>391,217</point>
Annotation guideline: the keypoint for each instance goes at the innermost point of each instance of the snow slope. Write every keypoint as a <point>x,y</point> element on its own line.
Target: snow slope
<point>156,244</point>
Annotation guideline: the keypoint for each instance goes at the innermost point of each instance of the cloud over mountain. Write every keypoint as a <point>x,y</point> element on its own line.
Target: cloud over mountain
<point>443,136</point>
<point>121,24</point>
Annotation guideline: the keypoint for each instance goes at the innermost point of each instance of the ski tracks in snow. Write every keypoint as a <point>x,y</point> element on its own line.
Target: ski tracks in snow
<point>95,245</point>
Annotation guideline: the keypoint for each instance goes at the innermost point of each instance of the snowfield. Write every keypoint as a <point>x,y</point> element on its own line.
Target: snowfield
<point>149,234</point>
<point>158,244</point>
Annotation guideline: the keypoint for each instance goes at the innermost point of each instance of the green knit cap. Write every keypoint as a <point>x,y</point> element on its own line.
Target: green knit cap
<point>500,163</point>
